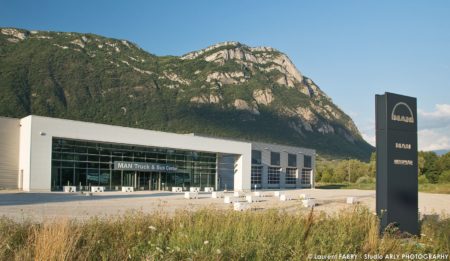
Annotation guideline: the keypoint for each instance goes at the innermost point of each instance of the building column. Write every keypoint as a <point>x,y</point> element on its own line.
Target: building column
<point>242,171</point>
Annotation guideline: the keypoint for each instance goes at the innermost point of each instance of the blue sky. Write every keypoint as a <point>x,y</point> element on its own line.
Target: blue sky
<point>351,49</point>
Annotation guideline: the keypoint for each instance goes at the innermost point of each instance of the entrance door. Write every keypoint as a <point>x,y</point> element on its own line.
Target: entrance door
<point>154,180</point>
<point>143,181</point>
<point>158,181</point>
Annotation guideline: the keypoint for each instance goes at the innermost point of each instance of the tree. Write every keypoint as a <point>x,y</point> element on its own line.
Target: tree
<point>326,177</point>
<point>443,163</point>
<point>430,168</point>
<point>373,164</point>
<point>444,177</point>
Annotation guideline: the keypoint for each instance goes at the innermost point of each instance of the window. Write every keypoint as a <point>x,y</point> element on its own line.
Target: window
<point>273,175</point>
<point>275,158</point>
<point>291,176</point>
<point>307,161</point>
<point>84,163</point>
<point>256,175</point>
<point>256,157</point>
<point>305,178</point>
<point>292,160</point>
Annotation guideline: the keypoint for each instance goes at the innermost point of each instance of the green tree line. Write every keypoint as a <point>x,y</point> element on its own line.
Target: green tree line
<point>432,168</point>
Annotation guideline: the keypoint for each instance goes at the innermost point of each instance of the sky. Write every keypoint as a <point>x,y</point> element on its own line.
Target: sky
<point>351,49</point>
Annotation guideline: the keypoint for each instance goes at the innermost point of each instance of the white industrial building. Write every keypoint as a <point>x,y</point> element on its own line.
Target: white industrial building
<point>45,154</point>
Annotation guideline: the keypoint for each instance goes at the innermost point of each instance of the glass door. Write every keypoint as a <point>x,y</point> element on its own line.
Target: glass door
<point>144,180</point>
<point>128,178</point>
<point>154,180</point>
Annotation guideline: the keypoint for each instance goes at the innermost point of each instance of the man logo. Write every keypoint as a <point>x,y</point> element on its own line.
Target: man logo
<point>395,116</point>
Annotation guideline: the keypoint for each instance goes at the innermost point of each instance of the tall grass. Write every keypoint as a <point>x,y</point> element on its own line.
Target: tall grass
<point>213,235</point>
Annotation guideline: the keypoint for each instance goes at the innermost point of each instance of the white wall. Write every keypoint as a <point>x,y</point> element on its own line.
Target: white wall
<point>25,153</point>
<point>36,145</point>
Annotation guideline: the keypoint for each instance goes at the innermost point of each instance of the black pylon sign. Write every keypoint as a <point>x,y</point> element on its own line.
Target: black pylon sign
<point>396,141</point>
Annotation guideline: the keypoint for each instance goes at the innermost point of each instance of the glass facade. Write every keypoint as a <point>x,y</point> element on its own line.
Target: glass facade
<point>256,176</point>
<point>256,157</point>
<point>273,175</point>
<point>305,178</point>
<point>275,158</point>
<point>85,163</point>
<point>292,160</point>
<point>307,162</point>
<point>291,176</point>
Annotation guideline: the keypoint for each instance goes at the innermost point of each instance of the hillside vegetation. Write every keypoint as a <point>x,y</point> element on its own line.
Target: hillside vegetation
<point>226,90</point>
<point>433,173</point>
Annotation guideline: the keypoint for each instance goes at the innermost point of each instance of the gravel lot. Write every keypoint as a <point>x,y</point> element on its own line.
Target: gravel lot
<point>45,206</point>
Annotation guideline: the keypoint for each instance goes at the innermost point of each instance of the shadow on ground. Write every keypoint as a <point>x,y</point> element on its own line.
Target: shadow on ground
<point>331,186</point>
<point>11,199</point>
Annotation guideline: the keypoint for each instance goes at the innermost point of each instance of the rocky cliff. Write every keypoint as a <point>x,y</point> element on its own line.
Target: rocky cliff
<point>227,90</point>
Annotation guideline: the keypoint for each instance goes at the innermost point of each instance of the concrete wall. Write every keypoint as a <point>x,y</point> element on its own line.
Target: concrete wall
<point>267,148</point>
<point>37,134</point>
<point>9,152</point>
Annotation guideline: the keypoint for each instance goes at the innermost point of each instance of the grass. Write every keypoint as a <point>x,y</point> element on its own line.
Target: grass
<point>442,188</point>
<point>214,235</point>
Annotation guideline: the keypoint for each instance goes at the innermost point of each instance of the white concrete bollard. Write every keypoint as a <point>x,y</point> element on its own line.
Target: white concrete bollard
<point>209,189</point>
<point>238,194</point>
<point>127,189</point>
<point>308,203</point>
<point>216,194</point>
<point>69,189</point>
<point>278,193</point>
<point>351,200</point>
<point>228,199</point>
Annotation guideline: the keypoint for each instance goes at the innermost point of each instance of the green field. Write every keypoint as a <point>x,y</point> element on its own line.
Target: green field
<point>215,235</point>
<point>428,187</point>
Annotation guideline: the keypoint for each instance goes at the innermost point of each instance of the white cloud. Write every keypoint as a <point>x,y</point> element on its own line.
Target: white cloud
<point>434,139</point>
<point>436,119</point>
<point>442,111</point>
<point>434,129</point>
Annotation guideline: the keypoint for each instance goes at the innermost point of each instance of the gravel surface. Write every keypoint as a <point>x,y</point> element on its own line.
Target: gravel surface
<point>45,206</point>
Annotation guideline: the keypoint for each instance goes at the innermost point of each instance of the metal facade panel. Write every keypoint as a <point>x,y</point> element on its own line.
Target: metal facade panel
<point>9,152</point>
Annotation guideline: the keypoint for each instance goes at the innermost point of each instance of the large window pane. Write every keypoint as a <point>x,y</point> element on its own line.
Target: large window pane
<point>307,161</point>
<point>256,175</point>
<point>275,158</point>
<point>273,175</point>
<point>292,160</point>
<point>256,157</point>
<point>291,176</point>
<point>67,178</point>
<point>306,177</point>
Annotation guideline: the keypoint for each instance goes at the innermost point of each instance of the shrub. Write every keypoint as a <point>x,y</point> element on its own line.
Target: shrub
<point>445,177</point>
<point>423,180</point>
<point>326,177</point>
<point>365,180</point>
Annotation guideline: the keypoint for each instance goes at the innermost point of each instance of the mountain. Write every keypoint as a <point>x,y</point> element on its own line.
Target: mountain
<point>441,152</point>
<point>226,90</point>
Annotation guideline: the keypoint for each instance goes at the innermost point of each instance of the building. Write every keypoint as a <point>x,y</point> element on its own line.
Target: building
<point>44,154</point>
